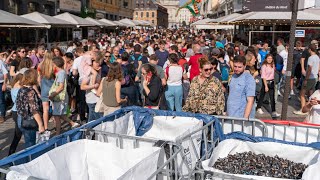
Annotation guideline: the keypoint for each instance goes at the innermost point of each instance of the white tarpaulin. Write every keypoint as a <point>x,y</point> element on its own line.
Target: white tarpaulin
<point>87,159</point>
<point>167,128</point>
<point>297,154</point>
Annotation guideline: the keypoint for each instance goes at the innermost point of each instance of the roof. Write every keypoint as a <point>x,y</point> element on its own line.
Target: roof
<point>75,20</point>
<point>45,19</point>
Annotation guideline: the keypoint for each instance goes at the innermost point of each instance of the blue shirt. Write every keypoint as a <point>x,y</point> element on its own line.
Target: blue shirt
<point>219,45</point>
<point>162,56</point>
<point>14,94</point>
<point>241,87</point>
<point>263,55</point>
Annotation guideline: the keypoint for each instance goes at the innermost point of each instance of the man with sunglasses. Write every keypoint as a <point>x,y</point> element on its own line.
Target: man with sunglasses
<point>104,65</point>
<point>21,53</point>
<point>242,90</point>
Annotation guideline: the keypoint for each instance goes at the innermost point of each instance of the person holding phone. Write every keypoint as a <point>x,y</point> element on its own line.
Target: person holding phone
<point>151,86</point>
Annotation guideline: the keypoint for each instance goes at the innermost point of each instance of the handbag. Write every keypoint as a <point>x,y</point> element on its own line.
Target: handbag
<point>62,95</point>
<point>29,122</point>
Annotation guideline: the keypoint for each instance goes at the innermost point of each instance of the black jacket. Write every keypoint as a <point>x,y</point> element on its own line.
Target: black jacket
<point>152,99</point>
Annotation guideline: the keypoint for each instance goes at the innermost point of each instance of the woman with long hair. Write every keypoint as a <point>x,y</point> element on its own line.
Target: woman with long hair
<point>110,89</point>
<point>46,75</point>
<point>29,108</point>
<point>267,75</point>
<point>57,52</point>
<point>206,95</point>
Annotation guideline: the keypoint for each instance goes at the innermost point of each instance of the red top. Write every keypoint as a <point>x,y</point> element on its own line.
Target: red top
<point>193,62</point>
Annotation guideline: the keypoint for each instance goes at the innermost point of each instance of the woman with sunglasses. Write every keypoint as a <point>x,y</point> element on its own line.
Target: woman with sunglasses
<point>105,64</point>
<point>14,65</point>
<point>206,95</point>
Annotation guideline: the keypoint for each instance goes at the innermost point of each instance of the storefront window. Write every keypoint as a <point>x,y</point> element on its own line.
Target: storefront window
<point>32,7</point>
<point>13,7</point>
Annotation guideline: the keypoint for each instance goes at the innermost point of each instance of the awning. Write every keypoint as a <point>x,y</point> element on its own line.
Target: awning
<point>45,19</point>
<point>108,22</point>
<point>225,18</point>
<point>12,20</point>
<point>129,22</point>
<point>201,22</point>
<point>75,20</point>
<point>97,22</point>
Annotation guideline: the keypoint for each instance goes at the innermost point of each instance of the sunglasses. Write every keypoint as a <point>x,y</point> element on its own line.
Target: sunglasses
<point>22,51</point>
<point>206,70</point>
<point>107,56</point>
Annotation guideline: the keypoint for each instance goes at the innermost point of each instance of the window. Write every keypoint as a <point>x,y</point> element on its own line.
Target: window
<point>141,14</point>
<point>152,14</point>
<point>152,21</point>
<point>147,14</point>
<point>136,14</point>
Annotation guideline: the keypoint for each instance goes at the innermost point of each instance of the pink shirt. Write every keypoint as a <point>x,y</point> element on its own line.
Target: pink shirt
<point>267,72</point>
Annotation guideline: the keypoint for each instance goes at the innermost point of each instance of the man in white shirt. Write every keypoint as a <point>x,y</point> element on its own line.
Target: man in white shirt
<point>150,48</point>
<point>310,80</point>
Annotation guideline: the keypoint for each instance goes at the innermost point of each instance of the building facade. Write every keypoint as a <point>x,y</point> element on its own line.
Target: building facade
<point>113,9</point>
<point>151,11</point>
<point>176,20</point>
<point>21,7</point>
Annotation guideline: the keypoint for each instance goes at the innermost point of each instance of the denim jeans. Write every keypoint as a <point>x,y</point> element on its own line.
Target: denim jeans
<point>131,92</point>
<point>29,135</point>
<point>173,96</point>
<point>92,114</point>
<point>2,102</point>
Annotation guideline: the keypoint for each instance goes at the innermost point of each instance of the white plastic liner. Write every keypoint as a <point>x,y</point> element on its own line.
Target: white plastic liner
<point>297,154</point>
<point>168,128</point>
<point>87,159</point>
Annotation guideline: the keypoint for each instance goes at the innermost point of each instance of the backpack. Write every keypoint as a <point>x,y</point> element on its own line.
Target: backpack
<point>135,62</point>
<point>224,69</point>
<point>279,63</point>
<point>129,75</point>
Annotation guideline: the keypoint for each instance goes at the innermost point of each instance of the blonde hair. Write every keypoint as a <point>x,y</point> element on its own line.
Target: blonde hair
<point>46,68</point>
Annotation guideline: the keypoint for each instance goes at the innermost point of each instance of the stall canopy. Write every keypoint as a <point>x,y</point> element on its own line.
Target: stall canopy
<point>225,18</point>
<point>122,24</point>
<point>129,22</point>
<point>75,20</point>
<point>201,22</point>
<point>45,19</point>
<point>11,20</point>
<point>98,23</point>
<point>108,22</point>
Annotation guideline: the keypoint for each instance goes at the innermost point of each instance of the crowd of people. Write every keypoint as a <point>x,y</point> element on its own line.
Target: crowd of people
<point>180,70</point>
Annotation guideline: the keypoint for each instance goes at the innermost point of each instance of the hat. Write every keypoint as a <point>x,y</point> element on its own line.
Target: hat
<point>314,42</point>
<point>215,51</point>
<point>259,42</point>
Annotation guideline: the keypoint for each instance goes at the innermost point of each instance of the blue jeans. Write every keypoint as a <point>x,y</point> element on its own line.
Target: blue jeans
<point>173,96</point>
<point>2,102</point>
<point>92,114</point>
<point>29,135</point>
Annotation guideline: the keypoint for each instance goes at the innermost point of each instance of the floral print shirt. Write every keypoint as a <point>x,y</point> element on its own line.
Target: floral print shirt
<point>28,102</point>
<point>206,98</point>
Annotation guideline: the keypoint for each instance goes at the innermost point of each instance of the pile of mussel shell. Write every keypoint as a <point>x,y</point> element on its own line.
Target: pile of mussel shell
<point>248,163</point>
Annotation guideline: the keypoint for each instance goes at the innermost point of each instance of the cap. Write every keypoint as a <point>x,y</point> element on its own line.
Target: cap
<point>215,51</point>
<point>259,42</point>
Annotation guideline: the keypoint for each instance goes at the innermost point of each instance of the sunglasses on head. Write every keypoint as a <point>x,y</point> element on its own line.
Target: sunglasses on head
<point>209,69</point>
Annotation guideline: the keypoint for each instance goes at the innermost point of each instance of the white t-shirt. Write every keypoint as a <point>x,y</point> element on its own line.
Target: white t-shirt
<point>76,65</point>
<point>314,62</point>
<point>314,114</point>
<point>174,75</point>
<point>284,55</point>
<point>150,50</point>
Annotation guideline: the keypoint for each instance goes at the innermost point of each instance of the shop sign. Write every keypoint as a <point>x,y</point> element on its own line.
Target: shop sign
<point>266,5</point>
<point>70,5</point>
<point>300,33</point>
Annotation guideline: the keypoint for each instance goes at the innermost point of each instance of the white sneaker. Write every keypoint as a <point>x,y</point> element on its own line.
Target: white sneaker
<point>299,112</point>
<point>292,93</point>
<point>275,114</point>
<point>260,111</point>
<point>279,93</point>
